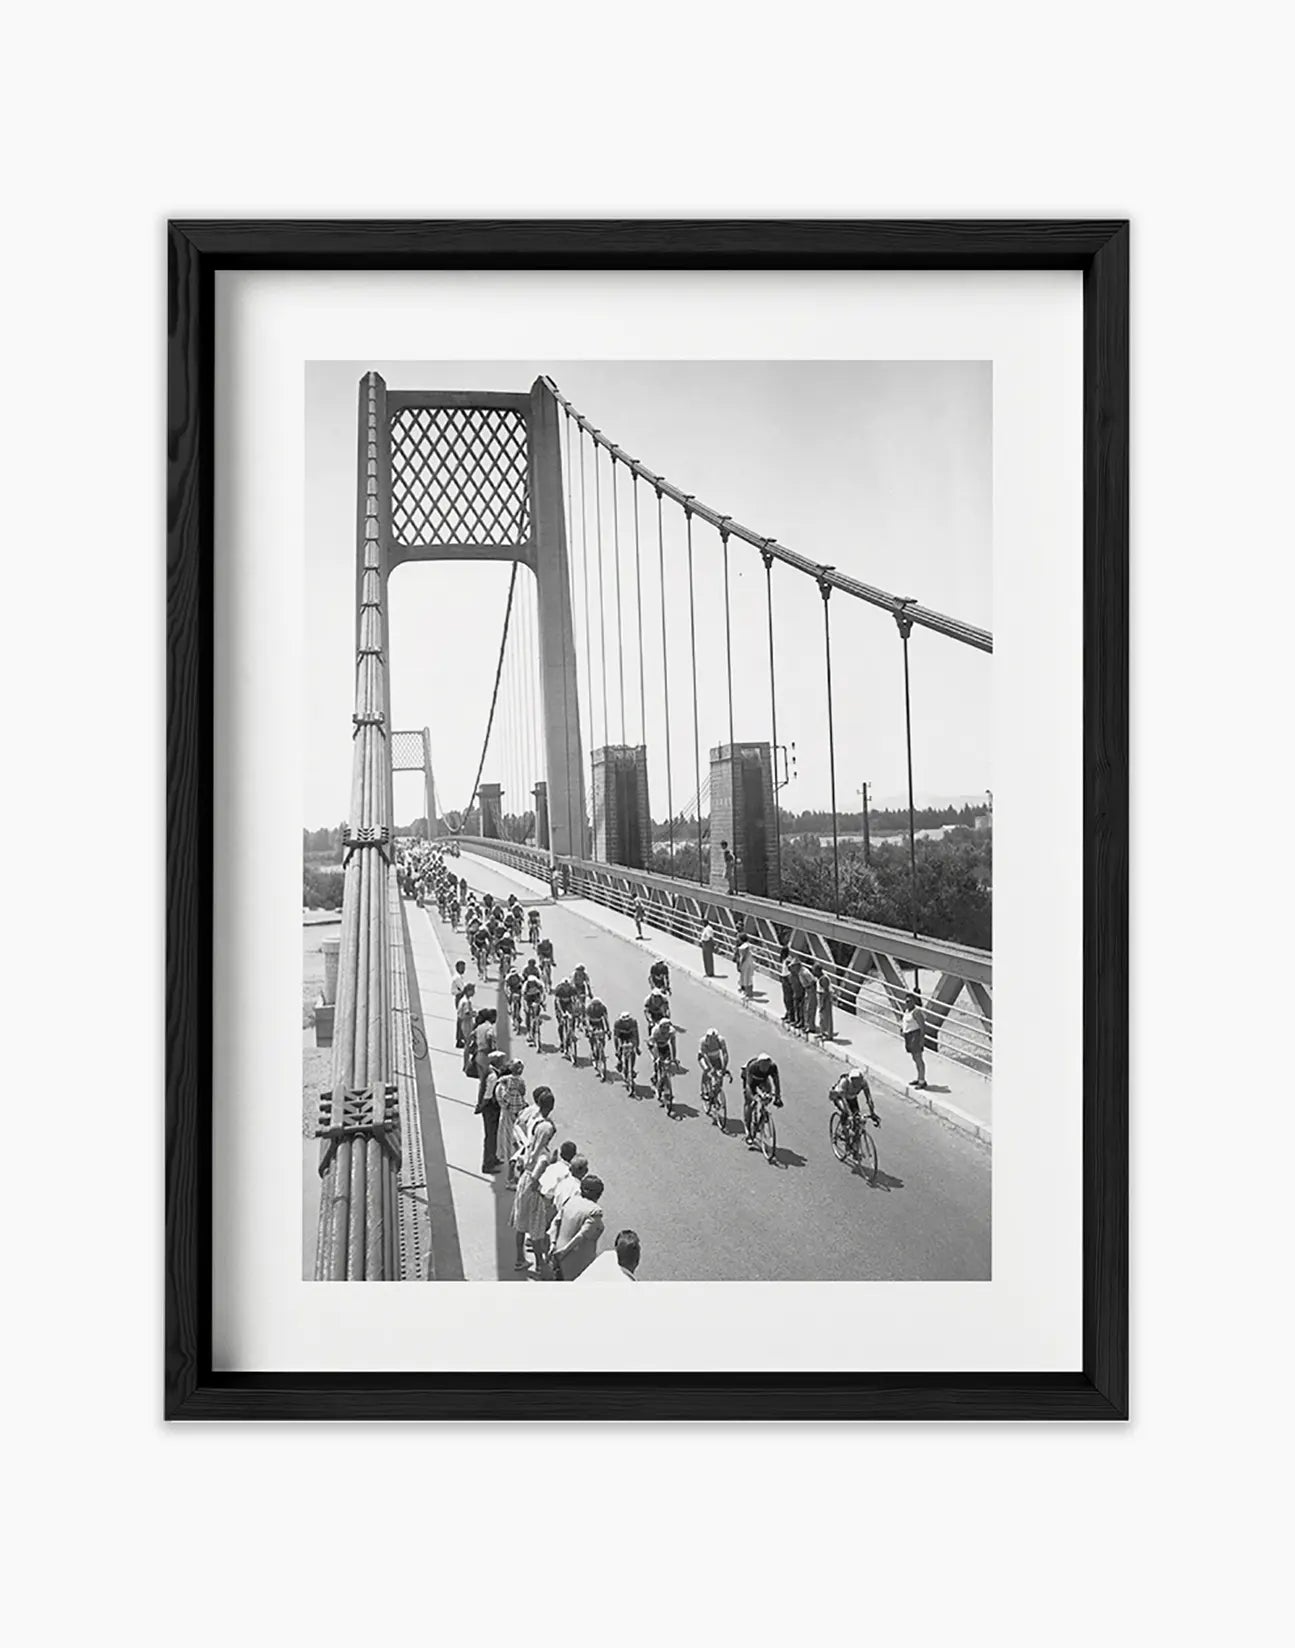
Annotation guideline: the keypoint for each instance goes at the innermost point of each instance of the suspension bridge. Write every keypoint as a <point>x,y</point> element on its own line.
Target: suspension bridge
<point>620,581</point>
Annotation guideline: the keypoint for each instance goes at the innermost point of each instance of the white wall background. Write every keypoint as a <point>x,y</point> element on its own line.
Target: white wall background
<point>115,117</point>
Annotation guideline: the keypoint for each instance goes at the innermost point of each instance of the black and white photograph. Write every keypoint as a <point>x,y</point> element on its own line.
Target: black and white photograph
<point>647,829</point>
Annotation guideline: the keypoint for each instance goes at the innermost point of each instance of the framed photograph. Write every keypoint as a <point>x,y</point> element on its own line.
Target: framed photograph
<point>647,804</point>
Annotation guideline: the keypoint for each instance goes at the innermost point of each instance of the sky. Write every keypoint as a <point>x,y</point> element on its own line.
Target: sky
<point>881,468</point>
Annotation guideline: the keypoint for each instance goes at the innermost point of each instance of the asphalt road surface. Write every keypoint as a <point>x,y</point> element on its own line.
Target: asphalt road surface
<point>706,1208</point>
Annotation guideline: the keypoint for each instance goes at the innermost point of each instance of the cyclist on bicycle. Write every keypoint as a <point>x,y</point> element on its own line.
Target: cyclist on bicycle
<point>596,1020</point>
<point>544,950</point>
<point>513,990</point>
<point>844,1094</point>
<point>481,947</point>
<point>758,1073</point>
<point>533,997</point>
<point>564,998</point>
<point>661,1039</point>
<point>712,1050</point>
<point>505,949</point>
<point>659,977</point>
<point>533,920</point>
<point>627,1036</point>
<point>656,1006</point>
<point>584,990</point>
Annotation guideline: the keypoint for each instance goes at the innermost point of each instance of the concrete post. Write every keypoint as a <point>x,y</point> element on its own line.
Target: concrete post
<point>622,822</point>
<point>564,755</point>
<point>742,802</point>
<point>490,797</point>
<point>541,794</point>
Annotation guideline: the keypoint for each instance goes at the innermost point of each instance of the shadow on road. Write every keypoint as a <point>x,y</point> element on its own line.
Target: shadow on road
<point>783,1157</point>
<point>684,1112</point>
<point>883,1181</point>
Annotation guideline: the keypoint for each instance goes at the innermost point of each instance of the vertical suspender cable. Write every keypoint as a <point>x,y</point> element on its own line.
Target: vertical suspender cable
<point>665,675</point>
<point>638,585</point>
<point>905,624</point>
<point>620,634</point>
<point>602,613</point>
<point>584,570</point>
<point>766,555</point>
<point>572,839</point>
<point>728,641</point>
<point>696,742</point>
<point>825,590</point>
<point>494,696</point>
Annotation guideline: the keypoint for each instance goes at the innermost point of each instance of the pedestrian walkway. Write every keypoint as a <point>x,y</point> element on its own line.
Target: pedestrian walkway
<point>964,1097</point>
<point>469,1209</point>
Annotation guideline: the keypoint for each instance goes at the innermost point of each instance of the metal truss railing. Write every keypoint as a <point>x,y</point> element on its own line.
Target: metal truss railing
<point>865,963</point>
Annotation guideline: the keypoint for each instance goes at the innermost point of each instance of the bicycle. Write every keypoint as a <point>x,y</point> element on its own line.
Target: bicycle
<point>533,1016</point>
<point>661,1083</point>
<point>712,1094</point>
<point>515,1014</point>
<point>598,1052</point>
<point>851,1141</point>
<point>480,952</point>
<point>627,1062</point>
<point>567,1036</point>
<point>763,1130</point>
<point>546,972</point>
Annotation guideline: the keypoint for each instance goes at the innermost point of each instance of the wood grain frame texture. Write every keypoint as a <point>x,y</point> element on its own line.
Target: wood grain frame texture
<point>196,251</point>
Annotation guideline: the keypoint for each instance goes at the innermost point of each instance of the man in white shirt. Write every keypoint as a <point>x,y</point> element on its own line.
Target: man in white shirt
<point>557,1171</point>
<point>618,1264</point>
<point>576,1229</point>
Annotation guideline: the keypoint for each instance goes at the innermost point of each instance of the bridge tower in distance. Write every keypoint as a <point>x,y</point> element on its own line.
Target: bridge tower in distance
<point>742,802</point>
<point>622,818</point>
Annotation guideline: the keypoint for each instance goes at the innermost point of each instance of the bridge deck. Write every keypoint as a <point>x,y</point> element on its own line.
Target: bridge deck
<point>704,1206</point>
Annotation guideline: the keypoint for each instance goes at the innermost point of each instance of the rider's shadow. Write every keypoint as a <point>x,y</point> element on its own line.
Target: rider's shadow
<point>882,1180</point>
<point>683,1111</point>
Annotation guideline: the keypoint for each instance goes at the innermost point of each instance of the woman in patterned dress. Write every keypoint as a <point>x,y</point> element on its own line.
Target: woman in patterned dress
<point>510,1096</point>
<point>537,1149</point>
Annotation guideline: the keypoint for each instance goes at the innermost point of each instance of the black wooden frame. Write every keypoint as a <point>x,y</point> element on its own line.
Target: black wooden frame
<point>197,250</point>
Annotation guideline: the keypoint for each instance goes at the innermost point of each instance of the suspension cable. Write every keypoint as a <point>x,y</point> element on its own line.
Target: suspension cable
<point>905,624</point>
<point>696,743</point>
<point>494,696</point>
<point>728,643</point>
<point>638,585</point>
<point>665,675</point>
<point>602,610</point>
<point>573,845</point>
<point>766,555</point>
<point>620,634</point>
<point>584,569</point>
<point>825,590</point>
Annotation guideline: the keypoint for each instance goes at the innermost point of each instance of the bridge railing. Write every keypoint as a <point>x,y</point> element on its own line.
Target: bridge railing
<point>864,962</point>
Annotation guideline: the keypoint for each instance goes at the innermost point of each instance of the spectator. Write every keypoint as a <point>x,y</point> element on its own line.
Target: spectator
<point>784,970</point>
<point>568,1187</point>
<point>618,1264</point>
<point>708,949</point>
<point>510,1095</point>
<point>746,966</point>
<point>809,1007</point>
<point>913,1029</point>
<point>797,993</point>
<point>730,867</point>
<point>637,913</point>
<point>485,1043</point>
<point>826,1022</point>
<point>458,984</point>
<point>576,1230</point>
<point>536,1154</point>
<point>465,1023</point>
<point>488,1110</point>
<point>558,1172</point>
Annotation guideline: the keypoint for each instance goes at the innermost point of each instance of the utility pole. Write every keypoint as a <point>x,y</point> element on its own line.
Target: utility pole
<point>867,834</point>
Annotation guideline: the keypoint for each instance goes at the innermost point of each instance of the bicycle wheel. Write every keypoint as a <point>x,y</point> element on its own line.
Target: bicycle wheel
<point>867,1154</point>
<point>721,1107</point>
<point>836,1132</point>
<point>768,1135</point>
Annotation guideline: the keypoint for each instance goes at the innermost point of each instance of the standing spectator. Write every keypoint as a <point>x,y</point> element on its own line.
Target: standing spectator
<point>746,966</point>
<point>557,1173</point>
<point>730,867</point>
<point>708,949</point>
<point>510,1095</point>
<point>565,1188</point>
<point>797,993</point>
<point>576,1230</point>
<point>913,1029</point>
<point>826,1021</point>
<point>618,1264</point>
<point>488,1110</point>
<point>809,1007</point>
<point>465,1020</point>
<point>784,971</point>
<point>485,1043</point>
<point>458,984</point>
<point>637,913</point>
<point>536,1155</point>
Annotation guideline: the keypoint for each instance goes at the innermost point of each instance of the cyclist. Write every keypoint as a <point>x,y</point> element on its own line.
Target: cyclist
<point>712,1050</point>
<point>596,1021</point>
<point>452,911</point>
<point>481,948</point>
<point>505,949</point>
<point>564,998</point>
<point>759,1072</point>
<point>580,978</point>
<point>659,977</point>
<point>531,969</point>
<point>655,1009</point>
<point>626,1031</point>
<point>533,997</point>
<point>488,899</point>
<point>534,920</point>
<point>844,1094</point>
<point>663,1044</point>
<point>513,990</point>
<point>544,950</point>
